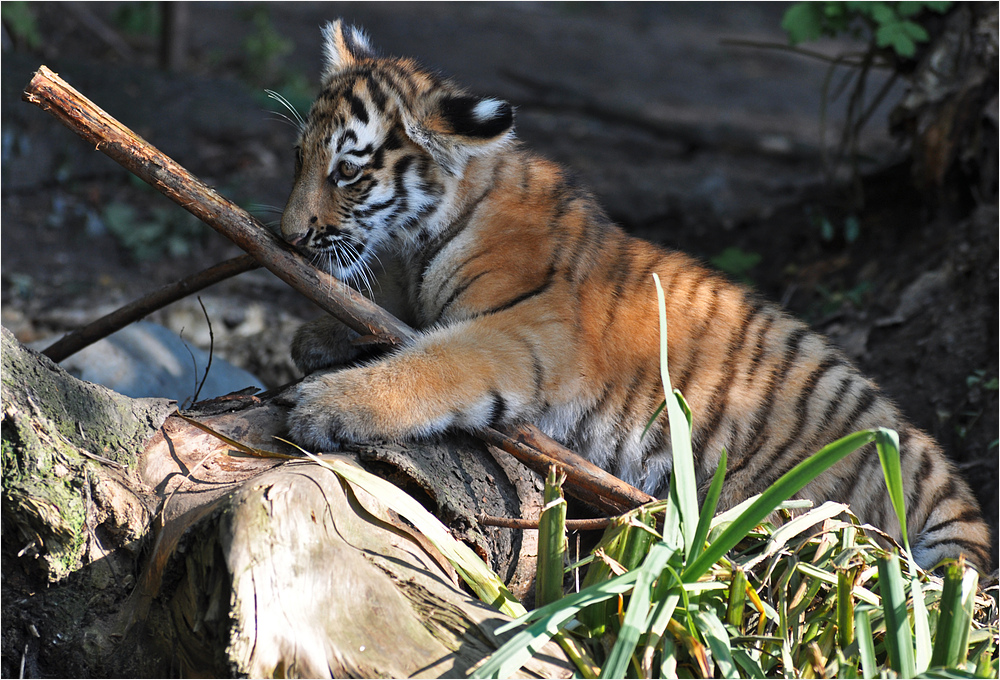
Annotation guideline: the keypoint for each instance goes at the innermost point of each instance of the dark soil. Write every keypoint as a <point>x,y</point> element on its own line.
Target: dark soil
<point>689,142</point>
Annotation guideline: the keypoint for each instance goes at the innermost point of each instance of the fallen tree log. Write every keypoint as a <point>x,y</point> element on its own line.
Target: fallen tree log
<point>146,546</point>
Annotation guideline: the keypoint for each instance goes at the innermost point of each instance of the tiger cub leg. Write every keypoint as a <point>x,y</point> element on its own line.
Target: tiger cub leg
<point>323,343</point>
<point>468,375</point>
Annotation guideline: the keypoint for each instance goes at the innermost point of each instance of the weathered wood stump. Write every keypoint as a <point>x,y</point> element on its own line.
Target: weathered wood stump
<point>136,543</point>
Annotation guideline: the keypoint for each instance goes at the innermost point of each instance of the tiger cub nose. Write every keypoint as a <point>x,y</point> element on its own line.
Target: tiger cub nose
<point>299,238</point>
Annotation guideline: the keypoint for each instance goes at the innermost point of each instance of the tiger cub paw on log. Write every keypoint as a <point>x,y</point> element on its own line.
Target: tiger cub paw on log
<point>531,305</point>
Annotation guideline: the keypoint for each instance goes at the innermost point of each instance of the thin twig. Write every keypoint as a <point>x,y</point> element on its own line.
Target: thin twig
<point>801,51</point>
<point>73,342</point>
<point>100,30</point>
<point>211,351</point>
<point>517,523</point>
<point>692,135</point>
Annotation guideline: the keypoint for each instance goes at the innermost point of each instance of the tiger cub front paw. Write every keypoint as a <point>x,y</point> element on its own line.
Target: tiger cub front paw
<point>321,420</point>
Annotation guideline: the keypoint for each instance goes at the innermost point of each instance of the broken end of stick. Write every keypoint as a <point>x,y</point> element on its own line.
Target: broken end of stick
<point>42,73</point>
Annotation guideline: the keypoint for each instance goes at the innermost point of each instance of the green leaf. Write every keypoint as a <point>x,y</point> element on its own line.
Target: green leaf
<point>866,641</point>
<point>921,624</point>
<point>898,640</point>
<point>787,485</point>
<point>882,13</point>
<point>751,667</point>
<point>20,19</point>
<point>715,635</point>
<point>652,419</point>
<point>893,35</point>
<point>551,541</point>
<point>887,445</point>
<point>951,641</point>
<point>914,30</point>
<point>938,6</point>
<point>708,507</point>
<point>736,601</point>
<point>845,606</point>
<point>736,262</point>
<point>803,22</point>
<point>683,484</point>
<point>637,612</point>
<point>546,622</point>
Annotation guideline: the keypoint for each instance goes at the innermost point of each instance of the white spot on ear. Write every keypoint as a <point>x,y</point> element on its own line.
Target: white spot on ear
<point>487,109</point>
<point>361,42</point>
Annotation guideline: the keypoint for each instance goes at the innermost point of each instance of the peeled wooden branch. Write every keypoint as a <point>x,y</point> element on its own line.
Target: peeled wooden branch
<point>51,93</point>
<point>109,323</point>
<point>528,444</point>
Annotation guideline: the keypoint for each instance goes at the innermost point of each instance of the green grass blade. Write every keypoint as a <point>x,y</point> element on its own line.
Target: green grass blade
<point>637,612</point>
<point>715,635</point>
<point>652,419</point>
<point>751,667</point>
<point>546,622</point>
<point>682,482</point>
<point>921,626</point>
<point>736,602</point>
<point>984,661</point>
<point>708,507</point>
<point>866,641</point>
<point>638,539</point>
<point>663,611</point>
<point>898,640</point>
<point>788,485</point>
<point>551,541</point>
<point>685,409</point>
<point>668,659</point>
<point>845,606</point>
<point>887,445</point>
<point>951,642</point>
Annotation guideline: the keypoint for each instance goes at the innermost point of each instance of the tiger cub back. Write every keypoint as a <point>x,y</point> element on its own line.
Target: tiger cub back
<point>533,306</point>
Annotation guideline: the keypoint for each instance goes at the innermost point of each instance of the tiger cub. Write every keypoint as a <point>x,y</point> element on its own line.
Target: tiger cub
<point>533,306</point>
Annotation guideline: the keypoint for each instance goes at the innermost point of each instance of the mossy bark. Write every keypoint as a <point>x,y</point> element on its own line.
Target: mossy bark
<point>64,441</point>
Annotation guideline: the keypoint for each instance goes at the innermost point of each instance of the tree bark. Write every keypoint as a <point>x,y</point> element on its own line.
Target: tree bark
<point>138,544</point>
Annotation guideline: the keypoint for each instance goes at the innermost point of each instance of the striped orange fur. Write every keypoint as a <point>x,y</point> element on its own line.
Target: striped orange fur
<point>533,306</point>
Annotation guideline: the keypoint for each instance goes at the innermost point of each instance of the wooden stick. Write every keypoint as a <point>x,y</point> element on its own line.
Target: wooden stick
<point>72,343</point>
<point>51,93</point>
<point>518,523</point>
<point>584,480</point>
<point>528,444</point>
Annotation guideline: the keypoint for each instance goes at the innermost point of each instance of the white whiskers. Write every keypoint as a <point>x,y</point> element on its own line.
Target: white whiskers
<point>296,120</point>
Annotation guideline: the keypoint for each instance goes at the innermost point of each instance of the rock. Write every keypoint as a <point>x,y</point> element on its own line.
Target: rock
<point>148,360</point>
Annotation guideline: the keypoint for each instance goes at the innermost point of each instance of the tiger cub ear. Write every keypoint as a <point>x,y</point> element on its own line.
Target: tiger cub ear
<point>454,128</point>
<point>343,46</point>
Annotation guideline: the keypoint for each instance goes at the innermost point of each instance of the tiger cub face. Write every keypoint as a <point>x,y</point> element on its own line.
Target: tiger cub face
<point>378,154</point>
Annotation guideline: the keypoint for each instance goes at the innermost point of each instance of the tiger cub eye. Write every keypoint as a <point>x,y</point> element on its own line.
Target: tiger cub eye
<point>348,170</point>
